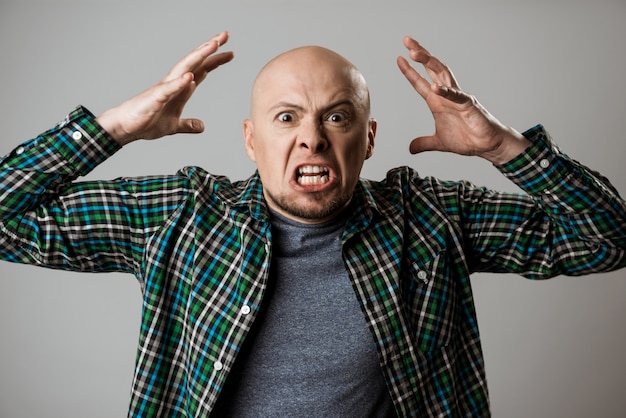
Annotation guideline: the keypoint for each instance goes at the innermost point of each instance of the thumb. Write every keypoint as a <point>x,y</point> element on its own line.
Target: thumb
<point>423,143</point>
<point>190,126</point>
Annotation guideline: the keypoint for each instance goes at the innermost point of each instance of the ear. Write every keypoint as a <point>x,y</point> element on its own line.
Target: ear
<point>248,137</point>
<point>371,134</point>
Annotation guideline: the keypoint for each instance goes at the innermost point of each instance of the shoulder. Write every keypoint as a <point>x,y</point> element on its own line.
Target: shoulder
<point>208,187</point>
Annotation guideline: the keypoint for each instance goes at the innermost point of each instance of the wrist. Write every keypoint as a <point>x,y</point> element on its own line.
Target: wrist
<point>110,123</point>
<point>512,145</point>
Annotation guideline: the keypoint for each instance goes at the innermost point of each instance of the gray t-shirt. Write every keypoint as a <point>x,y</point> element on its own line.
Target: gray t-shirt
<point>310,353</point>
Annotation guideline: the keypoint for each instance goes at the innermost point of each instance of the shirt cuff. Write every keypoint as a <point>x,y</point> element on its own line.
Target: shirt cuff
<point>541,167</point>
<point>82,141</point>
<point>79,141</point>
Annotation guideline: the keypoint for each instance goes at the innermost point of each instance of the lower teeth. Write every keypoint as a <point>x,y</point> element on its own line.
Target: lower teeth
<point>313,179</point>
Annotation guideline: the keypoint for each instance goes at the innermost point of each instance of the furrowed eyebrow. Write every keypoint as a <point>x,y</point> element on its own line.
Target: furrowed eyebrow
<point>289,105</point>
<point>339,103</point>
<point>283,105</point>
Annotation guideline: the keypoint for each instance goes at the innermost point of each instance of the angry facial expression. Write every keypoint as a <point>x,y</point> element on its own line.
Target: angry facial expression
<point>309,132</point>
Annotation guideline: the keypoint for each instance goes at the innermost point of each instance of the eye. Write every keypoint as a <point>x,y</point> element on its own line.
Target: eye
<point>286,117</point>
<point>337,117</point>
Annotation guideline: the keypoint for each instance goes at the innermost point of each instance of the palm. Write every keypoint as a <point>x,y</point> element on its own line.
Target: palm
<point>462,125</point>
<point>157,111</point>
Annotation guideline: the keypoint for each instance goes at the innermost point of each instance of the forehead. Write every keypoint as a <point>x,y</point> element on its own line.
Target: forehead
<point>311,74</point>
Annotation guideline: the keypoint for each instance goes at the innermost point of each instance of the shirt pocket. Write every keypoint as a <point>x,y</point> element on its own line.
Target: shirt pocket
<point>431,300</point>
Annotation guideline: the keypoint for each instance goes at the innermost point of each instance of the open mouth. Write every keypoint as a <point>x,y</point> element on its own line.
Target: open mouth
<point>312,174</point>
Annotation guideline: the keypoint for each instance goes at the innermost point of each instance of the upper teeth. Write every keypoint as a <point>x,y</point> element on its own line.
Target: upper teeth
<point>312,174</point>
<point>312,169</point>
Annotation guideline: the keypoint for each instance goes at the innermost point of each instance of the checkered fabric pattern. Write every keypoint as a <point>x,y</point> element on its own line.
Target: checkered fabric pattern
<point>201,248</point>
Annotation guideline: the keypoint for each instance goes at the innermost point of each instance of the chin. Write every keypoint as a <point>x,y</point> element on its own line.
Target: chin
<point>315,209</point>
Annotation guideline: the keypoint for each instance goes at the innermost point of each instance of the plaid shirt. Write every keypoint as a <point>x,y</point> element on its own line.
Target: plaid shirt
<point>201,248</point>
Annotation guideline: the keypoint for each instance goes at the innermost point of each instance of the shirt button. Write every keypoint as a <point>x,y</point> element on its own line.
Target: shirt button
<point>422,275</point>
<point>19,151</point>
<point>544,163</point>
<point>77,135</point>
<point>245,310</point>
<point>218,365</point>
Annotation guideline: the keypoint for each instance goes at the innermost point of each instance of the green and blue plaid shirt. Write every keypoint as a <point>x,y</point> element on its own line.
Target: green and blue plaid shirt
<point>201,248</point>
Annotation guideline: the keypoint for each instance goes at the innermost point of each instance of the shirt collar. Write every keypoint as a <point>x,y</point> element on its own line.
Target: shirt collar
<point>248,195</point>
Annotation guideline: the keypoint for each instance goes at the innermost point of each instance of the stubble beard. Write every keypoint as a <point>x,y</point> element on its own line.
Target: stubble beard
<point>311,212</point>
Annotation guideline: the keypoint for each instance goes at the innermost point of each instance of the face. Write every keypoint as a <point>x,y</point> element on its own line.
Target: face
<point>309,133</point>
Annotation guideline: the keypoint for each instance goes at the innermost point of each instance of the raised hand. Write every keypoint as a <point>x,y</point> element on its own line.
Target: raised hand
<point>157,111</point>
<point>462,125</point>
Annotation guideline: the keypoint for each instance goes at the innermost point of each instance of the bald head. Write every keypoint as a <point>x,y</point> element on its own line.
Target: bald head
<point>311,67</point>
<point>309,132</point>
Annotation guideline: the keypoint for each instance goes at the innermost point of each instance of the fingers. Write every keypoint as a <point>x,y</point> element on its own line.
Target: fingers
<point>182,80</point>
<point>437,70</point>
<point>419,83</point>
<point>165,91</point>
<point>210,64</point>
<point>444,84</point>
<point>201,58</point>
<point>453,94</point>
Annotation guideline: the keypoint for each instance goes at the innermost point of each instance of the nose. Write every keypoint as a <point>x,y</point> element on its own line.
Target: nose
<point>313,137</point>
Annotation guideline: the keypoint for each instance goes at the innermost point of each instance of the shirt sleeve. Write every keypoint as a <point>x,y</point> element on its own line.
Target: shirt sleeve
<point>572,220</point>
<point>48,218</point>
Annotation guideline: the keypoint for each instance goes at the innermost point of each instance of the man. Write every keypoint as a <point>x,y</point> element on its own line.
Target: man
<point>305,290</point>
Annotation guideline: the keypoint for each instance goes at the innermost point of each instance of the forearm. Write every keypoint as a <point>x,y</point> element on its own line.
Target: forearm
<point>564,186</point>
<point>580,226</point>
<point>58,156</point>
<point>48,219</point>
